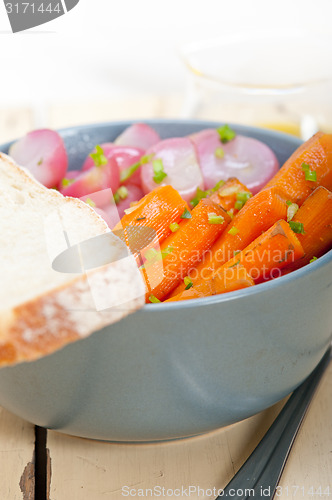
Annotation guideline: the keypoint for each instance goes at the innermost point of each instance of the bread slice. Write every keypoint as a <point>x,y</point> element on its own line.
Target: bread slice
<point>44,306</point>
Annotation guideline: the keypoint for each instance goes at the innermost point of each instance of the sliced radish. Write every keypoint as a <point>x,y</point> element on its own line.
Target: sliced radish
<point>134,194</point>
<point>111,217</point>
<point>95,179</point>
<point>178,161</point>
<point>99,199</point>
<point>44,154</point>
<point>138,135</point>
<point>250,160</point>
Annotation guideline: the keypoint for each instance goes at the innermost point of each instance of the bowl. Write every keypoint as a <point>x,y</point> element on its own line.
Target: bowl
<point>180,369</point>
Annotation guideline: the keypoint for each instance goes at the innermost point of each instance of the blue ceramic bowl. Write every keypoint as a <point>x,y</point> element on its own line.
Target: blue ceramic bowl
<point>175,370</point>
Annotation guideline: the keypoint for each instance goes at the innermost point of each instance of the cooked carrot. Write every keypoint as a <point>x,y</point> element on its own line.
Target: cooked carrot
<point>315,215</point>
<point>257,216</point>
<point>181,250</point>
<point>149,221</point>
<point>231,196</point>
<point>314,156</point>
<point>223,280</point>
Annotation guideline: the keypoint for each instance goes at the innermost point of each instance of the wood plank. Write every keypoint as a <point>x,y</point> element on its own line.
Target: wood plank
<point>310,462</point>
<point>85,469</point>
<point>16,457</point>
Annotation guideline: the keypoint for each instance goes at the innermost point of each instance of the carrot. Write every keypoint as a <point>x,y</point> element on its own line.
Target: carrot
<point>149,221</point>
<point>315,155</point>
<point>257,216</point>
<point>181,250</point>
<point>231,196</point>
<point>316,216</point>
<point>224,280</point>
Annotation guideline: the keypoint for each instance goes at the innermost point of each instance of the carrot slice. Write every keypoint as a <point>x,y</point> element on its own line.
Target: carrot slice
<point>224,280</point>
<point>257,215</point>
<point>316,216</point>
<point>316,153</point>
<point>230,194</point>
<point>149,221</point>
<point>181,250</point>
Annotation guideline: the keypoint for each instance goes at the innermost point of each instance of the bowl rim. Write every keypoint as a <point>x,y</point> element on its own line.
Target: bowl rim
<point>260,288</point>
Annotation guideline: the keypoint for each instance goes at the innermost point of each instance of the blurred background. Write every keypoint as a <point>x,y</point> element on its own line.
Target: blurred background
<point>107,60</point>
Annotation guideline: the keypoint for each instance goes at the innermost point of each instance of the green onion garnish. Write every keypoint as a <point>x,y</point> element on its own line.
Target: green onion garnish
<point>166,252</point>
<point>151,254</point>
<point>120,194</point>
<point>312,260</point>
<point>291,211</point>
<point>99,157</point>
<point>174,227</point>
<point>233,231</point>
<point>67,182</point>
<point>200,194</point>
<point>241,198</point>
<point>153,299</point>
<point>129,171</point>
<point>226,134</point>
<point>141,218</point>
<point>230,213</point>
<point>187,281</point>
<point>297,227</point>
<point>158,170</point>
<point>213,218</point>
<point>186,214</point>
<point>90,202</point>
<point>288,202</point>
<point>310,175</point>
<point>219,153</point>
<point>236,252</point>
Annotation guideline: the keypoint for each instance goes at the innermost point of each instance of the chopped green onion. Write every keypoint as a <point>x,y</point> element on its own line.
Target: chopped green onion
<point>200,194</point>
<point>158,170</point>
<point>120,194</point>
<point>166,252</point>
<point>310,175</point>
<point>67,182</point>
<point>187,281</point>
<point>129,171</point>
<point>153,299</point>
<point>238,205</point>
<point>233,265</point>
<point>226,134</point>
<point>241,198</point>
<point>90,202</point>
<point>312,260</point>
<point>99,157</point>
<point>151,254</point>
<point>40,161</point>
<point>141,218</point>
<point>233,231</point>
<point>213,218</point>
<point>236,252</point>
<point>288,203</point>
<point>230,213</point>
<point>219,153</point>
<point>186,214</point>
<point>291,211</point>
<point>174,227</point>
<point>297,227</point>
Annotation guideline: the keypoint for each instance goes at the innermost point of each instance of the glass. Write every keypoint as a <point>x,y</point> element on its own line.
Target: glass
<point>275,80</point>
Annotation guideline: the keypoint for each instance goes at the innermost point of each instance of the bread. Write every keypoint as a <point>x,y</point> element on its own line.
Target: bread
<point>43,308</point>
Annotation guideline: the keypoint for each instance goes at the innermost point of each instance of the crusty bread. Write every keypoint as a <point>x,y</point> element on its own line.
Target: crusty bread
<point>42,308</point>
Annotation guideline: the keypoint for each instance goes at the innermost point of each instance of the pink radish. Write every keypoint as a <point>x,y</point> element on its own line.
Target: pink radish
<point>250,160</point>
<point>138,135</point>
<point>174,161</point>
<point>69,179</point>
<point>95,179</point>
<point>99,199</point>
<point>43,153</point>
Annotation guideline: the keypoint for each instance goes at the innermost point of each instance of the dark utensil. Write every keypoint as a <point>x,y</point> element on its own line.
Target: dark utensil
<point>260,474</point>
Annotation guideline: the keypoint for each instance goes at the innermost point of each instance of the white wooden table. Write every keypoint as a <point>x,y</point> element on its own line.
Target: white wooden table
<point>81,469</point>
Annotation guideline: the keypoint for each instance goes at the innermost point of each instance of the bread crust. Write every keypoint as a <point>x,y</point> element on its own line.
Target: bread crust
<point>67,313</point>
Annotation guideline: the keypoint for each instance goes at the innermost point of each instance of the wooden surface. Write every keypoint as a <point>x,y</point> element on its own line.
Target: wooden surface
<point>82,469</point>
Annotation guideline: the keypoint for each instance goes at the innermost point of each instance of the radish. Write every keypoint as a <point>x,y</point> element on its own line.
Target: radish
<point>133,193</point>
<point>44,154</point>
<point>174,161</point>
<point>250,160</point>
<point>69,179</point>
<point>95,179</point>
<point>138,135</point>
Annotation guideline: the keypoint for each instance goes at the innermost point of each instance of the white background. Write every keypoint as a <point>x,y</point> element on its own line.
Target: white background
<point>110,49</point>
